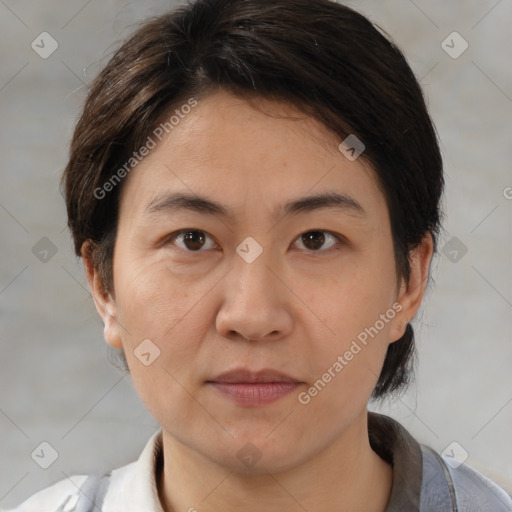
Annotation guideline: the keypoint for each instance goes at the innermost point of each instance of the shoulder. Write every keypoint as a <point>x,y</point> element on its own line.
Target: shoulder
<point>130,485</point>
<point>475,490</point>
<point>80,492</point>
<point>59,497</point>
<point>467,487</point>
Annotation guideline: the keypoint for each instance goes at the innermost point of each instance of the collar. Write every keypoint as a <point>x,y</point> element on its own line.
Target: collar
<point>393,443</point>
<point>133,487</point>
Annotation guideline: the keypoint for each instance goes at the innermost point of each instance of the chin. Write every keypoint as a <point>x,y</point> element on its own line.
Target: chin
<point>256,454</point>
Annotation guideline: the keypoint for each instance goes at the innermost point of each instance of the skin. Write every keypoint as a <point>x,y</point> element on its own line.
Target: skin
<point>300,305</point>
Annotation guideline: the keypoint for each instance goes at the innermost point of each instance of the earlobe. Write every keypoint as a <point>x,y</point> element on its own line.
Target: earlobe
<point>111,330</point>
<point>399,325</point>
<point>103,300</point>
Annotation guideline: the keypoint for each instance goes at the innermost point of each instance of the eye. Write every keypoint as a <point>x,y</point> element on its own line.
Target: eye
<point>313,240</point>
<point>192,239</point>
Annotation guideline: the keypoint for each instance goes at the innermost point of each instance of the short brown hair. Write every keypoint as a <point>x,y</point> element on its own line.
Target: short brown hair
<point>322,57</point>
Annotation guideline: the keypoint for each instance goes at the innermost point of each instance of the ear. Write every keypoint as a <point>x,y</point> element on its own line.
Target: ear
<point>103,300</point>
<point>411,294</point>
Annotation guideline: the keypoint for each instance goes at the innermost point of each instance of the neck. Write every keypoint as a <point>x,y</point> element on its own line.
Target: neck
<point>346,476</point>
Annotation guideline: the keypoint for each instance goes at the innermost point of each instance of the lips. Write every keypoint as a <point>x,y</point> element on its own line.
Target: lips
<point>246,376</point>
<point>254,388</point>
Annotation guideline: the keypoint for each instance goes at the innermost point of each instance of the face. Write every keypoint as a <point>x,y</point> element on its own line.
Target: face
<point>248,283</point>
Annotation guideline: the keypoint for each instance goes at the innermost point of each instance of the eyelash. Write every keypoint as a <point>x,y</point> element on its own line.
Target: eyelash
<point>338,238</point>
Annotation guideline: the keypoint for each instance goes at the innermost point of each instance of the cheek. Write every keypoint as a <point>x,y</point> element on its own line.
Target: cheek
<point>352,297</point>
<point>348,339</point>
<point>152,304</point>
<point>148,296</point>
<point>345,370</point>
<point>156,304</point>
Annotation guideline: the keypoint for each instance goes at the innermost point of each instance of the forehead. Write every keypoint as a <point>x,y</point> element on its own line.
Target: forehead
<point>240,151</point>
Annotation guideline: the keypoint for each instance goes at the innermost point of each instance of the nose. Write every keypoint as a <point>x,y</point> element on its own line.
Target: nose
<point>256,302</point>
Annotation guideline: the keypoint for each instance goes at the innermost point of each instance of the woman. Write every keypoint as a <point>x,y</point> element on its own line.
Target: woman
<point>255,190</point>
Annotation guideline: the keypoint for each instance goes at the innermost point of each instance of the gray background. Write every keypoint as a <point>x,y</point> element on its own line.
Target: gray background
<point>56,382</point>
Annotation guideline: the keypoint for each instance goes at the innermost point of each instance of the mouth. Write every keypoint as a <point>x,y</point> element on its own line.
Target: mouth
<point>250,388</point>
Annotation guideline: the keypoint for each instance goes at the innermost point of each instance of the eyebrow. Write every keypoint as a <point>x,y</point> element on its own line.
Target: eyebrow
<point>183,201</point>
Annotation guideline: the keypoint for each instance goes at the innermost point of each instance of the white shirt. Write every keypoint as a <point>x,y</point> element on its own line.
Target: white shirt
<point>132,487</point>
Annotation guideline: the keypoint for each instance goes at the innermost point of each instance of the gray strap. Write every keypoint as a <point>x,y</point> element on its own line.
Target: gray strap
<point>476,492</point>
<point>92,493</point>
<point>437,493</point>
<point>446,489</point>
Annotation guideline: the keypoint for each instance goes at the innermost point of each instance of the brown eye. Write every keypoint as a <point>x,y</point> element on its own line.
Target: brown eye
<point>314,240</point>
<point>193,240</point>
